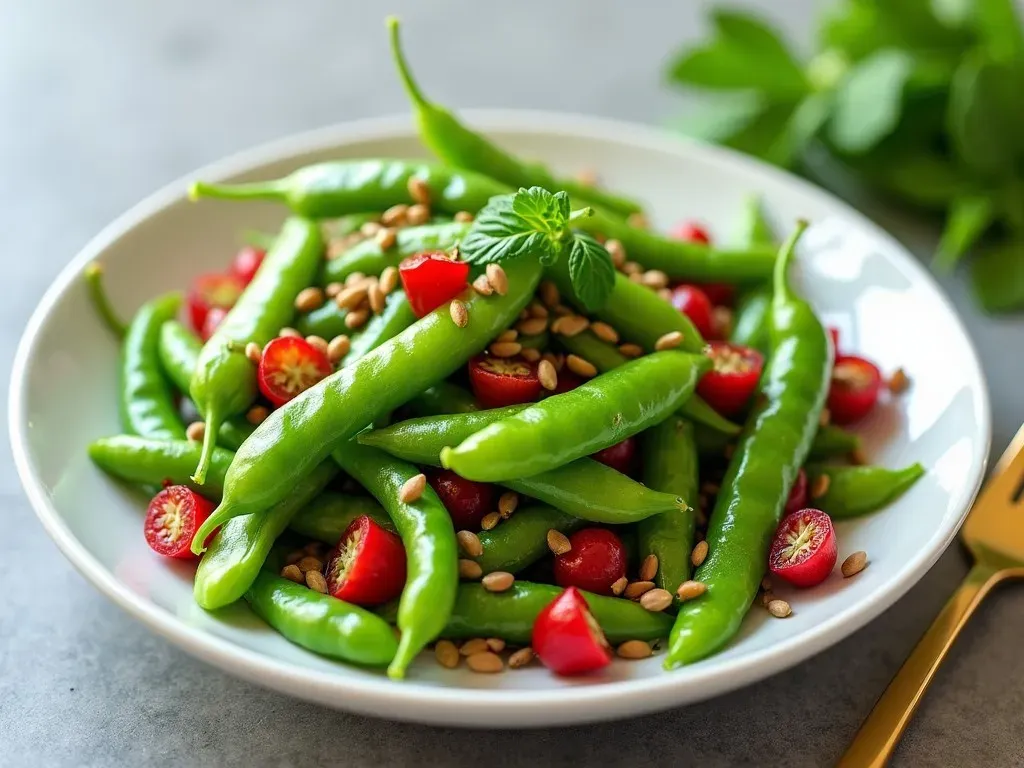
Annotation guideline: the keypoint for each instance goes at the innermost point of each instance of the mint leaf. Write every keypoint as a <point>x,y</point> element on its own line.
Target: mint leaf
<point>499,233</point>
<point>590,270</point>
<point>869,102</point>
<point>541,210</point>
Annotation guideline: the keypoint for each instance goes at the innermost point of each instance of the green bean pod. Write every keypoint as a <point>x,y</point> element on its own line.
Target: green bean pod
<point>432,557</point>
<point>330,514</point>
<point>224,382</point>
<point>146,400</point>
<point>522,539</point>
<point>179,350</point>
<point>238,551</point>
<point>101,301</point>
<point>321,623</point>
<point>597,414</point>
<point>605,357</point>
<point>369,258</point>
<point>443,398</point>
<point>151,462</point>
<point>760,475</point>
<point>584,488</point>
<point>462,147</point>
<point>396,317</point>
<point>832,442</point>
<point>856,491</point>
<point>326,321</point>
<point>303,432</point>
<point>510,614</point>
<point>750,323</point>
<point>330,189</point>
<point>670,465</point>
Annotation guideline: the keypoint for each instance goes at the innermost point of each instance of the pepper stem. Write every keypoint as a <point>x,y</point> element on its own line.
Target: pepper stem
<point>258,190</point>
<point>220,515</point>
<point>100,299</point>
<point>780,278</point>
<point>409,648</point>
<point>412,89</point>
<point>213,419</point>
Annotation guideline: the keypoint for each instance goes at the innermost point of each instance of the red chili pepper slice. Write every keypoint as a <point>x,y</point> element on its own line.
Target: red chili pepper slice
<point>289,367</point>
<point>209,291</point>
<point>501,381</point>
<point>172,519</point>
<point>621,456</point>
<point>856,384</point>
<point>596,561</point>
<point>720,294</point>
<point>797,494</point>
<point>567,638</point>
<point>367,567</point>
<point>213,319</point>
<point>467,501</point>
<point>567,381</point>
<point>695,304</point>
<point>246,262</point>
<point>803,551</point>
<point>692,231</point>
<point>727,388</point>
<point>431,279</point>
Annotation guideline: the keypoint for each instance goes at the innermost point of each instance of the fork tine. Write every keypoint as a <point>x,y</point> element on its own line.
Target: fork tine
<point>1008,474</point>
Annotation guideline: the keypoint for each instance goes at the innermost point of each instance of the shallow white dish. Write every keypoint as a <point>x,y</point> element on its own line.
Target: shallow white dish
<point>858,278</point>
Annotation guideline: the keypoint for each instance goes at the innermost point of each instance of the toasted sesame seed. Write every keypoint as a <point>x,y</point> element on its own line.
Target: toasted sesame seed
<point>486,663</point>
<point>631,350</point>
<point>355,279</point>
<point>533,326</point>
<point>289,333</point>
<point>333,289</point>
<point>581,367</point>
<point>634,649</point>
<point>507,503</point>
<point>459,314</point>
<point>469,569</point>
<point>854,564</point>
<point>556,360</point>
<point>570,325</point>
<point>549,294</point>
<point>766,597</point>
<point>356,319</point>
<point>338,347</point>
<point>351,297</point>
<point>632,269</point>
<point>417,214</point>
<point>820,486</point>
<point>530,355</point>
<point>310,563</point>
<point>388,280</point>
<point>766,583</point>
<point>196,431</point>
<point>547,375</point>
<point>412,489</point>
<point>314,548</point>
<point>292,573</point>
<point>691,589</point>
<point>699,553</point>
<point>316,581</point>
<point>496,644</point>
<point>463,217</point>
<point>491,519</point>
<point>780,609</point>
<point>483,286</point>
<point>520,658</point>
<point>473,645</point>
<point>505,348</point>
<point>665,294</point>
<point>370,228</point>
<point>649,568</point>
<point>510,335</point>
<point>498,279</point>
<point>257,414</point>
<point>655,278</point>
<point>605,332</point>
<point>558,542</point>
<point>619,585</point>
<point>469,543</point>
<point>656,600</point>
<point>386,238</point>
<point>395,215</point>
<point>418,190</point>
<point>317,341</point>
<point>670,340</point>
<point>536,309</point>
<point>617,251</point>
<point>635,589</point>
<point>447,654</point>
<point>254,352</point>
<point>377,298</point>
<point>899,382</point>
<point>498,581</point>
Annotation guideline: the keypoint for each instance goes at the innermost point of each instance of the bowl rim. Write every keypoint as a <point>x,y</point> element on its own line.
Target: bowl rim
<point>409,699</point>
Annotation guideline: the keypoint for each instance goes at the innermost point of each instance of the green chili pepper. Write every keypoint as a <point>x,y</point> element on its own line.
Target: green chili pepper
<point>396,317</point>
<point>761,473</point>
<point>237,552</point>
<point>831,442</point>
<point>583,488</point>
<point>147,402</point>
<point>326,321</point>
<point>461,147</point>
<point>670,465</point>
<point>510,614</point>
<point>753,228</point>
<point>224,382</point>
<point>370,259</point>
<point>857,491</point>
<point>443,398</point>
<point>750,323</point>
<point>179,350</point>
<point>336,188</point>
<point>348,224</point>
<point>321,623</point>
<point>522,539</point>
<point>330,514</point>
<point>151,462</point>
<point>605,357</point>
<point>597,414</point>
<point>432,557</point>
<point>300,434</point>
<point>100,300</point>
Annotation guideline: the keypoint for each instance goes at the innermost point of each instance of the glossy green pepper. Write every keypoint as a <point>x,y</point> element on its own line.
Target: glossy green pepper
<point>857,491</point>
<point>151,462</point>
<point>369,258</point>
<point>457,145</point>
<point>330,514</point>
<point>832,442</point>
<point>605,357</point>
<point>326,321</point>
<point>583,488</point>
<point>146,399</point>
<point>670,465</point>
<point>396,317</point>
<point>224,382</point>
<point>750,321</point>
<point>336,188</point>
<point>597,414</point>
<point>443,398</point>
<point>769,455</point>
<point>303,432</point>
<point>432,557</point>
<point>100,301</point>
<point>521,540</point>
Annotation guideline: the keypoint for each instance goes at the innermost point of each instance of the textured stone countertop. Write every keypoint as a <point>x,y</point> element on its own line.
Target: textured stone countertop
<point>104,101</point>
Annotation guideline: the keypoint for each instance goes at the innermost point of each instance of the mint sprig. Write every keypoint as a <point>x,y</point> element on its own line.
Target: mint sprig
<point>536,223</point>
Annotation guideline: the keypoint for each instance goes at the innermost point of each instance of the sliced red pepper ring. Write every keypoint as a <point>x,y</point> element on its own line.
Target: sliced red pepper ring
<point>720,294</point>
<point>209,291</point>
<point>695,304</point>
<point>856,384</point>
<point>213,319</point>
<point>172,519</point>
<point>804,550</point>
<point>289,366</point>
<point>501,381</point>
<point>596,561</point>
<point>431,279</point>
<point>246,262</point>
<point>797,494</point>
<point>692,232</point>
<point>620,457</point>
<point>729,385</point>
<point>367,567</point>
<point>467,501</point>
<point>567,637</point>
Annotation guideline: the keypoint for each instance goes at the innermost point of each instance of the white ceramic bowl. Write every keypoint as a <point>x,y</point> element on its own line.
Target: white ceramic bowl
<point>858,278</point>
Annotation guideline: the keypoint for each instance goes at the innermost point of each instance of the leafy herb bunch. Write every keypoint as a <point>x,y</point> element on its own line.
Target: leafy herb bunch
<point>923,99</point>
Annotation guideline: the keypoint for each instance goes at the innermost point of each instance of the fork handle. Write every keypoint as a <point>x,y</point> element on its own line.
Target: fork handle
<point>878,735</point>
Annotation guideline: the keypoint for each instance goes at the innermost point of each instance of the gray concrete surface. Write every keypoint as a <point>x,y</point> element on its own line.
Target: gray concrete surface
<point>104,101</point>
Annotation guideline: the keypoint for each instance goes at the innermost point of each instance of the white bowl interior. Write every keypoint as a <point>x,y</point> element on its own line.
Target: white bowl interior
<point>859,279</point>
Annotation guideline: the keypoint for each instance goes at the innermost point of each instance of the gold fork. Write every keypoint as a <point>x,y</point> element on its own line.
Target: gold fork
<point>994,534</point>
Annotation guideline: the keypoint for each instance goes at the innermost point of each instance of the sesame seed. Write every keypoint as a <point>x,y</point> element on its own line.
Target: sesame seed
<point>292,573</point>
<point>310,563</point>
<point>571,325</point>
<point>491,519</point>
<point>316,581</point>
<point>351,297</point>
<point>549,294</point>
<point>636,589</point>
<point>505,348</point>
<point>670,340</point>
<point>369,228</point>
<point>417,214</point>
<point>688,590</point>
<point>333,289</point>
<point>619,585</point>
<point>386,238</point>
<point>257,414</point>
<point>699,553</point>
<point>509,335</point>
<point>412,489</point>
<point>648,568</point>
<point>338,347</point>
<point>634,649</point>
<point>289,333</point>
<point>656,600</point>
<point>899,382</point>
<point>469,543</point>
<point>254,352</point>
<point>581,367</point>
<point>356,319</point>
<point>507,503</point>
<point>473,645</point>
<point>196,431</point>
<point>447,654</point>
<point>498,581</point>
<point>533,326</point>
<point>395,215</point>
<point>459,313</point>
<point>486,663</point>
<point>558,542</point>
<point>605,332</point>
<point>377,298</point>
<point>463,217</point>
<point>468,569</point>
<point>780,609</point>
<point>854,564</point>
<point>498,279</point>
<point>388,280</point>
<point>617,251</point>
<point>483,286</point>
<point>820,486</point>
<point>520,658</point>
<point>547,375</point>
<point>655,278</point>
<point>418,190</point>
<point>318,342</point>
<point>631,350</point>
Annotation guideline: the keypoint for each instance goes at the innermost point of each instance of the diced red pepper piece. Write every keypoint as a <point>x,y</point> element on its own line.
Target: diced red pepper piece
<point>501,381</point>
<point>596,561</point>
<point>797,494</point>
<point>720,294</point>
<point>621,456</point>
<point>567,637</point>
<point>172,519</point>
<point>691,231</point>
<point>431,279</point>
<point>246,262</point>
<point>213,319</point>
<point>729,385</point>
<point>856,384</point>
<point>367,567</point>
<point>804,551</point>
<point>694,303</point>
<point>467,501</point>
<point>209,291</point>
<point>289,366</point>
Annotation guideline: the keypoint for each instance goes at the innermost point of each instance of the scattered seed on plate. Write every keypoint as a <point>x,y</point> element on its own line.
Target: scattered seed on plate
<point>505,348</point>
<point>418,190</point>
<point>483,286</point>
<point>338,347</point>
<point>351,297</point>
<point>530,355</point>
<point>854,564</point>
<point>412,489</point>
<point>547,375</point>
<point>447,654</point>
<point>388,280</point>
<point>820,486</point>
<point>533,326</point>
<point>469,543</point>
<point>459,313</point>
<point>196,431</point>
<point>497,278</point>
<point>463,217</point>
<point>631,350</point>
<point>691,589</point>
<point>310,563</point>
<point>656,600</point>
<point>498,581</point>
<point>491,519</point>
<point>619,585</point>
<point>496,644</point>
<point>257,414</point>
<point>633,649</point>
<point>549,294</point>
<point>780,609</point>
<point>356,319</point>
<point>395,215</point>
<point>473,645</point>
<point>605,332</point>
<point>670,340</point>
<point>470,569</point>
<point>507,503</point>
<point>292,573</point>
<point>316,581</point>
<point>485,663</point>
<point>377,298</point>
<point>649,568</point>
<point>700,551</point>
<point>581,367</point>
<point>899,382</point>
<point>317,341</point>
<point>510,335</point>
<point>289,333</point>
<point>386,238</point>
<point>309,299</point>
<point>616,251</point>
<point>520,658</point>
<point>417,214</point>
<point>558,542</point>
<point>636,589</point>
